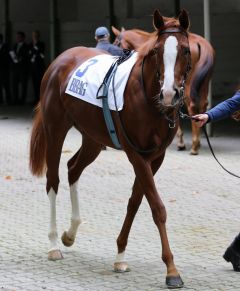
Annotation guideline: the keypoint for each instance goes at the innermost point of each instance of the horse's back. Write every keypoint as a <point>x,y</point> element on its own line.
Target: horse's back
<point>204,44</point>
<point>203,57</point>
<point>60,70</point>
<point>56,105</point>
<point>67,61</point>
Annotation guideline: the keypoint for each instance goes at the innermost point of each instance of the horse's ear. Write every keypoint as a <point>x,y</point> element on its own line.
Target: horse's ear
<point>115,30</point>
<point>184,19</point>
<point>157,19</point>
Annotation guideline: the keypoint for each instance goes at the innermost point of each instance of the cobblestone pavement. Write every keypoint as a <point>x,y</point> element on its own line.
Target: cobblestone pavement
<point>202,202</point>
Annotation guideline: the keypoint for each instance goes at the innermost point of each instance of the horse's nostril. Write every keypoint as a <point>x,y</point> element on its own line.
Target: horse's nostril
<point>176,97</point>
<point>161,95</point>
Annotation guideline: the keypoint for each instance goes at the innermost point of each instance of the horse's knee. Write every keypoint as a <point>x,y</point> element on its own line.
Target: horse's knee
<point>159,214</point>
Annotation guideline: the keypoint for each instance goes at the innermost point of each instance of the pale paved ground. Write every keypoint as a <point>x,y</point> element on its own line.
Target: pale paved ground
<point>203,217</point>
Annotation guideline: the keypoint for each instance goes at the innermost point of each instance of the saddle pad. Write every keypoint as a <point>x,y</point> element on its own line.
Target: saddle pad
<point>87,78</point>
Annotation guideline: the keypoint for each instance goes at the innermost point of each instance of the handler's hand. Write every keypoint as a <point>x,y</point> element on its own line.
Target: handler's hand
<point>200,119</point>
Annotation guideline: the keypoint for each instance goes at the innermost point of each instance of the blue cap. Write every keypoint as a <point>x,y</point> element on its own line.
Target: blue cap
<point>101,31</point>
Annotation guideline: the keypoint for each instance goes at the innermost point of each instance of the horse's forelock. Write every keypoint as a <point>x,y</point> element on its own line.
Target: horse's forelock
<point>171,22</point>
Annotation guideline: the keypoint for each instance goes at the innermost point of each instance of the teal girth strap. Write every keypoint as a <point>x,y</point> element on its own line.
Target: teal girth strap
<point>103,94</point>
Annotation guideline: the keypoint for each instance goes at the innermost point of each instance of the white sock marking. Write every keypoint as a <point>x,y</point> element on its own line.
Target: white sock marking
<point>75,219</point>
<point>52,235</point>
<point>120,257</point>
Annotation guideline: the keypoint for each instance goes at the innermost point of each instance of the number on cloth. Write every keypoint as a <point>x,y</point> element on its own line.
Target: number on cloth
<point>80,73</point>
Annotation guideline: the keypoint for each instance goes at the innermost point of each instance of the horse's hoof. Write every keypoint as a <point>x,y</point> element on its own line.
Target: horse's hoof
<point>121,267</point>
<point>234,257</point>
<point>194,152</point>
<point>66,240</point>
<point>55,255</point>
<point>181,147</point>
<point>174,282</point>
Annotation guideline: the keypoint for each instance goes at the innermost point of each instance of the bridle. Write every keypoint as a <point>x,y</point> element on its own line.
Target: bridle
<point>172,122</point>
<point>154,52</point>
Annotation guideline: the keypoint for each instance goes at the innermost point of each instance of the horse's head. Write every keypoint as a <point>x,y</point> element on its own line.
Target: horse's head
<point>130,39</point>
<point>173,57</point>
<point>121,39</point>
<point>118,36</point>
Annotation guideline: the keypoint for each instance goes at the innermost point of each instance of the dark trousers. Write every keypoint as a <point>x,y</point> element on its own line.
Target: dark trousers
<point>37,74</point>
<point>5,86</point>
<point>20,80</point>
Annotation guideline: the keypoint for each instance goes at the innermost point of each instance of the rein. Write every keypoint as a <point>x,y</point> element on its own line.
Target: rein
<point>185,116</point>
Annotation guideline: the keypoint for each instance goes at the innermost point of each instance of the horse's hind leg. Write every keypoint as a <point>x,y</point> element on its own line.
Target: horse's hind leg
<point>83,157</point>
<point>55,134</point>
<point>180,144</point>
<point>203,93</point>
<point>202,107</point>
<point>133,204</point>
<point>192,110</point>
<point>195,138</point>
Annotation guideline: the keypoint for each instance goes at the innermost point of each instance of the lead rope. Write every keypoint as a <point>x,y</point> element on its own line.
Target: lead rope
<point>185,116</point>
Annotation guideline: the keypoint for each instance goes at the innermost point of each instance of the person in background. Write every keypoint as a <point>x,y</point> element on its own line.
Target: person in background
<point>225,109</point>
<point>4,72</point>
<point>37,63</point>
<point>102,37</point>
<point>20,62</point>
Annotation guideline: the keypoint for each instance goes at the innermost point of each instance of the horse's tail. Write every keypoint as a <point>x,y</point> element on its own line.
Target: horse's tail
<point>203,69</point>
<point>37,158</point>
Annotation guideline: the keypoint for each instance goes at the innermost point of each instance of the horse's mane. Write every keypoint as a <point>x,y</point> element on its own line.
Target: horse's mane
<point>140,32</point>
<point>147,46</point>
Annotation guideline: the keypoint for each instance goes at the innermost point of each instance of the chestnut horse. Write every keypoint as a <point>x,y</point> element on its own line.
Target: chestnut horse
<point>196,94</point>
<point>152,98</point>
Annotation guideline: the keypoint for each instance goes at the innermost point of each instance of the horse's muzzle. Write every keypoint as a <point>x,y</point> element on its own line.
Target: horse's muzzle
<point>170,102</point>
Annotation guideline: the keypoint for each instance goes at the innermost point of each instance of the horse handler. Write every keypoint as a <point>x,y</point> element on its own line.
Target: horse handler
<point>223,110</point>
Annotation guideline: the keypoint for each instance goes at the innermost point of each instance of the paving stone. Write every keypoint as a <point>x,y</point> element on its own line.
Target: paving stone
<point>202,203</point>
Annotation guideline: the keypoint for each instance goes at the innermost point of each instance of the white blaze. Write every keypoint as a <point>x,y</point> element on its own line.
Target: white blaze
<point>169,60</point>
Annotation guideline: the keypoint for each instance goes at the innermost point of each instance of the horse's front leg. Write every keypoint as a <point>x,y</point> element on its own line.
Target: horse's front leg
<point>134,202</point>
<point>144,175</point>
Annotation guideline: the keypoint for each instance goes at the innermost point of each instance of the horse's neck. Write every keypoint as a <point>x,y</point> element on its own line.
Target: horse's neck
<point>136,39</point>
